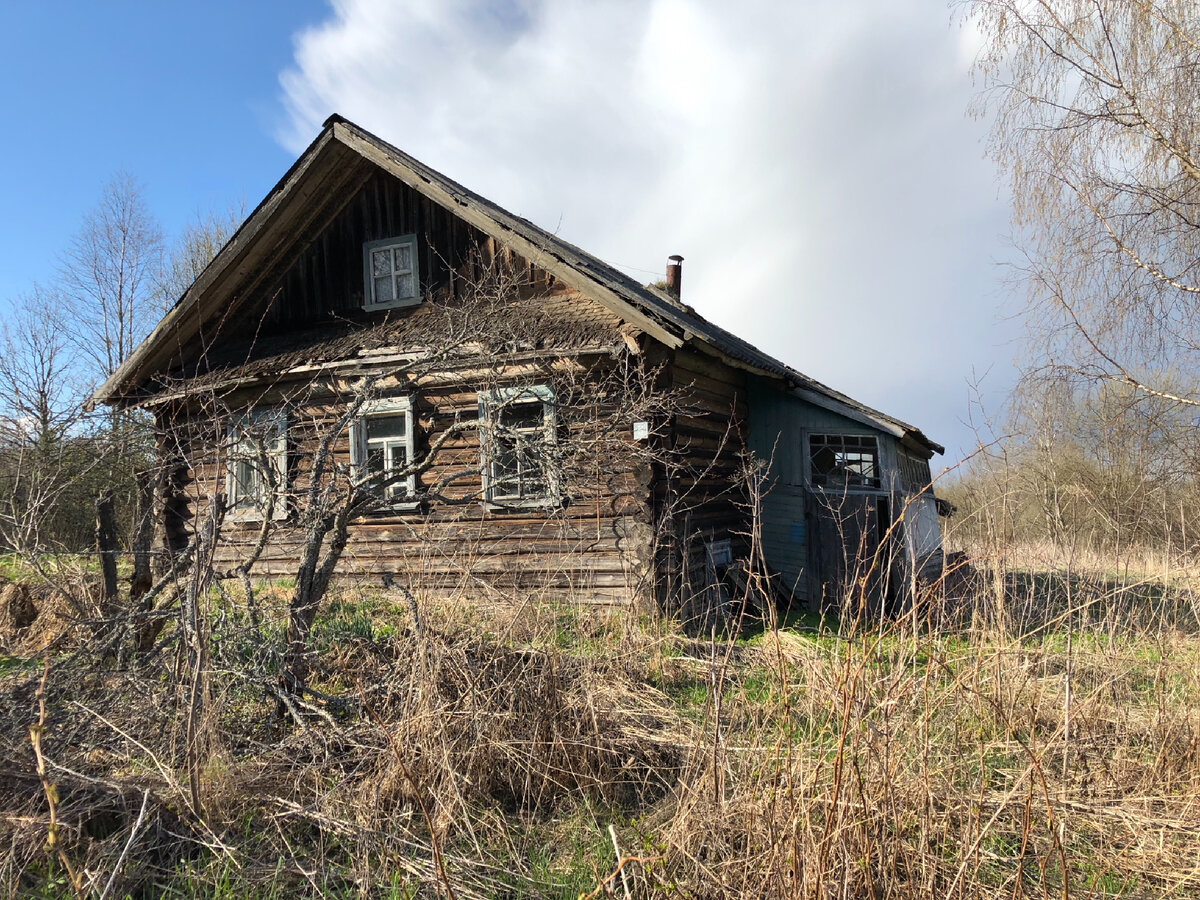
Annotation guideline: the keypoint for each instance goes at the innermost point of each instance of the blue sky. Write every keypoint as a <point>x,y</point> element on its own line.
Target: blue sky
<point>813,162</point>
<point>186,101</point>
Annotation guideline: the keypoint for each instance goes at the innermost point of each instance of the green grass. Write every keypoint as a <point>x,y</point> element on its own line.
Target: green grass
<point>570,854</point>
<point>13,567</point>
<point>18,663</point>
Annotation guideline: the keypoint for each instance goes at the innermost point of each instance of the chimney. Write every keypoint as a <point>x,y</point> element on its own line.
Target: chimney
<point>674,275</point>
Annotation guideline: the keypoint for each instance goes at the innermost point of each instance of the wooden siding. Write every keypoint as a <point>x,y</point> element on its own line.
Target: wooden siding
<point>319,283</point>
<point>698,496</point>
<point>799,540</point>
<point>304,324</point>
<point>592,548</point>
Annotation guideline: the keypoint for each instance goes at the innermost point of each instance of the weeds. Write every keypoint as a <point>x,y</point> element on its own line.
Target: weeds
<point>1053,757</point>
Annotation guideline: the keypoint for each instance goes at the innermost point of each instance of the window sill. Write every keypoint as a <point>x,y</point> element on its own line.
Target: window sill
<point>392,304</point>
<point>500,504</point>
<point>251,517</point>
<point>391,509</point>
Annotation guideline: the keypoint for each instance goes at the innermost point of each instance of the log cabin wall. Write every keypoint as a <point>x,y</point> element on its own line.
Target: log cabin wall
<point>700,501</point>
<point>318,282</point>
<point>593,547</point>
<point>603,544</point>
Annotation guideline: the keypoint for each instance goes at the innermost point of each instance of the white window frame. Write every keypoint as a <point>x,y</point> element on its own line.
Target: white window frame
<point>490,404</point>
<point>372,247</point>
<point>243,436</point>
<point>807,436</point>
<point>401,493</point>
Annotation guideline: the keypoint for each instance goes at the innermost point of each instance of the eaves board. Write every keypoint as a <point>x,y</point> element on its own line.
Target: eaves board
<point>315,173</point>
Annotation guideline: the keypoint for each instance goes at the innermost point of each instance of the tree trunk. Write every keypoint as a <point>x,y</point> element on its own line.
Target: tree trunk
<point>141,580</point>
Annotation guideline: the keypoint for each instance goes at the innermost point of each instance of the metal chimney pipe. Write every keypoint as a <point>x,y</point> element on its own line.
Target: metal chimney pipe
<point>674,275</point>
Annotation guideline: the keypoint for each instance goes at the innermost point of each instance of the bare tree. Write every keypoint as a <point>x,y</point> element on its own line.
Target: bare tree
<point>48,465</point>
<point>190,253</point>
<point>108,275</point>
<point>40,393</point>
<point>1096,108</point>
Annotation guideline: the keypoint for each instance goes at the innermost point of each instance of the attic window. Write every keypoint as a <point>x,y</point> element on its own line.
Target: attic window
<point>390,273</point>
<point>842,461</point>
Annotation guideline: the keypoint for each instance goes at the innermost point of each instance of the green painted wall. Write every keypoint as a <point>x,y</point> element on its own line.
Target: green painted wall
<point>779,424</point>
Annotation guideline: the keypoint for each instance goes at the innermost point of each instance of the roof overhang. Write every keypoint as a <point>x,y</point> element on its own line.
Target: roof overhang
<point>333,162</point>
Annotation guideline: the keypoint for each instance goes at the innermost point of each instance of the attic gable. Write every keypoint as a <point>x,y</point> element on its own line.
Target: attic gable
<point>324,179</point>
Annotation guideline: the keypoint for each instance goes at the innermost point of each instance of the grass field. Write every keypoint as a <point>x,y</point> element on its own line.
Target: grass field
<point>1042,741</point>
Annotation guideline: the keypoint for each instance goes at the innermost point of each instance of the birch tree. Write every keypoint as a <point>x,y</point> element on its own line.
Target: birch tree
<point>190,253</point>
<point>1095,107</point>
<point>108,275</point>
<point>39,389</point>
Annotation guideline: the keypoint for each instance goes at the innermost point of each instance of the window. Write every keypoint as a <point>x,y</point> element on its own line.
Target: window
<point>518,439</point>
<point>843,461</point>
<point>381,445</point>
<point>914,474</point>
<point>390,273</point>
<point>257,460</point>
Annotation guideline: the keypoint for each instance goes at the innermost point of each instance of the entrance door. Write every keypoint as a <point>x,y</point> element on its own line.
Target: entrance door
<point>849,556</point>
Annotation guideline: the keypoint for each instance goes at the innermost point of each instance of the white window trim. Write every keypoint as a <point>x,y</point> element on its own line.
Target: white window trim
<point>489,403</point>
<point>358,446</point>
<point>849,489</point>
<point>257,420</point>
<point>369,280</point>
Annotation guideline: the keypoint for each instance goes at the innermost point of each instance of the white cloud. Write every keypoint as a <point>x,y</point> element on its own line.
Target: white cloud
<point>812,161</point>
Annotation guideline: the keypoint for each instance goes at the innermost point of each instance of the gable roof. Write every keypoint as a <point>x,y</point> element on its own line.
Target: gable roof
<point>330,166</point>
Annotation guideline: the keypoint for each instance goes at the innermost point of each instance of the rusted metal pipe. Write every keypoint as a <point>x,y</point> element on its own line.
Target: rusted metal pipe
<point>674,275</point>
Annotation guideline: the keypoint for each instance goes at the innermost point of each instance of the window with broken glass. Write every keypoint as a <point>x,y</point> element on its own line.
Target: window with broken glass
<point>381,446</point>
<point>844,461</point>
<point>257,463</point>
<point>391,273</point>
<point>518,446</point>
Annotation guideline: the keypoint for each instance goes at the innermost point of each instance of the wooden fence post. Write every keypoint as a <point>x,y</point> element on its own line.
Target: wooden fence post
<point>106,545</point>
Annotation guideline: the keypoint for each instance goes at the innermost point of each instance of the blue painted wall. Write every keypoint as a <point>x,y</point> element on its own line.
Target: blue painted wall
<point>779,424</point>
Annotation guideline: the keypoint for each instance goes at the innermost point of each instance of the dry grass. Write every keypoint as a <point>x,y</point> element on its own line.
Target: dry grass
<point>487,754</point>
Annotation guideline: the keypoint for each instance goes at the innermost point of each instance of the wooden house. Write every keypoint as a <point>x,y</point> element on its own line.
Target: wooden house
<point>577,432</point>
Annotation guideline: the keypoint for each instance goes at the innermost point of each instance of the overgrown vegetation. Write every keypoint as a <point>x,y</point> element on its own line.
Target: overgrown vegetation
<point>1027,727</point>
<point>1045,745</point>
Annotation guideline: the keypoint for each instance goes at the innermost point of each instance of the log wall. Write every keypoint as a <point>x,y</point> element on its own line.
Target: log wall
<point>594,546</point>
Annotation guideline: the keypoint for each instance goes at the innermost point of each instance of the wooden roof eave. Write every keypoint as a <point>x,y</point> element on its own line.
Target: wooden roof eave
<point>201,301</point>
<point>237,261</point>
<point>363,365</point>
<point>198,301</point>
<point>908,436</point>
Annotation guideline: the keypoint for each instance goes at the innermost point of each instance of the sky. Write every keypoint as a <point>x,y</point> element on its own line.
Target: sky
<point>813,162</point>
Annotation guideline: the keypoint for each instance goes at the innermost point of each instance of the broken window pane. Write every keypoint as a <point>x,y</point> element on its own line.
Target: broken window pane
<point>519,458</point>
<point>844,461</point>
